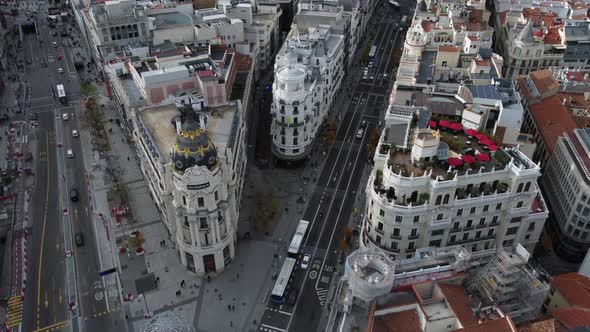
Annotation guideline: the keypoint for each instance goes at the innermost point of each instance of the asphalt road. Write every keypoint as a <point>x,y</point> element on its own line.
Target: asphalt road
<point>46,298</point>
<point>329,207</point>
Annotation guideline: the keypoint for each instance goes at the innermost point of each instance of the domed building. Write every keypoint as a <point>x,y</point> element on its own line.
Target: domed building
<point>194,160</point>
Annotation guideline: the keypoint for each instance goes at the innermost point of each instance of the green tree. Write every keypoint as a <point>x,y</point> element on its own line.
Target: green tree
<point>87,89</point>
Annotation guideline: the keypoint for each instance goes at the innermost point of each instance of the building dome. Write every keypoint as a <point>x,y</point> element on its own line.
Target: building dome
<point>167,322</point>
<point>192,147</point>
<point>422,6</point>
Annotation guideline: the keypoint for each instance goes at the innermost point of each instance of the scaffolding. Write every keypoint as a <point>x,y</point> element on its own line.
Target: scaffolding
<point>509,282</point>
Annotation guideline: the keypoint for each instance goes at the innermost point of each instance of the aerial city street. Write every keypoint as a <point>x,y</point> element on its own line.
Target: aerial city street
<point>294,166</point>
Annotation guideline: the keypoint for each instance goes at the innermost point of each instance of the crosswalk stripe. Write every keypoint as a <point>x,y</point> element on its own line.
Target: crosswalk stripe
<point>15,311</point>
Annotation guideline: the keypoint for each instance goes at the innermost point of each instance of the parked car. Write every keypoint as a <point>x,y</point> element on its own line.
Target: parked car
<point>363,123</point>
<point>65,116</point>
<point>74,195</point>
<point>60,70</point>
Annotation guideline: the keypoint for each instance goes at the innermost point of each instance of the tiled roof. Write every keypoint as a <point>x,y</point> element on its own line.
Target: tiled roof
<point>427,25</point>
<point>543,81</point>
<point>459,302</point>
<point>552,119</point>
<point>535,15</point>
<point>503,324</point>
<point>574,287</point>
<point>445,48</point>
<point>573,317</point>
<point>552,36</point>
<point>546,324</point>
<point>404,321</point>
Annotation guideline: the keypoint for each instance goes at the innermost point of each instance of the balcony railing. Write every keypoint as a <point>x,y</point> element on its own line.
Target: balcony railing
<point>395,251</point>
<point>456,230</point>
<point>413,237</point>
<point>481,226</point>
<point>468,228</point>
<point>380,231</point>
<point>395,237</point>
<point>289,125</point>
<point>410,250</point>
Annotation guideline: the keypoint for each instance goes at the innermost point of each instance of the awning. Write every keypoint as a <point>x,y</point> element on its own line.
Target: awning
<point>487,142</point>
<point>468,159</point>
<point>455,126</point>
<point>480,137</point>
<point>455,162</point>
<point>444,123</point>
<point>471,132</point>
<point>482,157</point>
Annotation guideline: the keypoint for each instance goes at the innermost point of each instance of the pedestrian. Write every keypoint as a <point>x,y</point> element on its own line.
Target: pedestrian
<point>238,275</point>
<point>148,265</point>
<point>228,307</point>
<point>233,307</point>
<point>231,323</point>
<point>158,279</point>
<point>122,140</point>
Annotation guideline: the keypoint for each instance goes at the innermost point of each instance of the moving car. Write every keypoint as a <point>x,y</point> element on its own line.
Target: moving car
<point>54,44</point>
<point>60,70</point>
<point>65,116</point>
<point>75,133</point>
<point>59,57</point>
<point>305,262</point>
<point>359,133</point>
<point>74,195</point>
<point>70,153</point>
<point>363,123</point>
<point>79,239</point>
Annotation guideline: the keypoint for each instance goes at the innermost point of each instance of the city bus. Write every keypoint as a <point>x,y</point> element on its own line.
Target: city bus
<point>61,94</point>
<point>295,245</point>
<point>372,52</point>
<point>279,291</point>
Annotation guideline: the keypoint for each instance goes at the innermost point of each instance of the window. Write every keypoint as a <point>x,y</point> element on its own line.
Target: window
<point>485,208</point>
<point>410,245</point>
<point>398,218</point>
<point>515,220</point>
<point>519,189</point>
<point>494,219</point>
<point>474,248</point>
<point>393,245</point>
<point>527,186</point>
<point>434,243</point>
<point>438,232</point>
<point>184,200</point>
<point>186,224</point>
<point>478,234</point>
<point>438,200</point>
<point>414,232</point>
<point>482,221</point>
<point>200,201</point>
<point>531,226</point>
<point>498,206</point>
<point>416,218</point>
<point>472,211</point>
<point>469,222</point>
<point>203,222</point>
<point>491,232</point>
<point>396,232</point>
<point>381,213</point>
<point>295,141</point>
<point>452,239</point>
<point>456,225</point>
<point>512,230</point>
<point>216,195</point>
<point>465,236</point>
<point>446,199</point>
<point>519,204</point>
<point>380,226</point>
<point>439,216</point>
<point>378,239</point>
<point>444,63</point>
<point>507,243</point>
<point>459,212</point>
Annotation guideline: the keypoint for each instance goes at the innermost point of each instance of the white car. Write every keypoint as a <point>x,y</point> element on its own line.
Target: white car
<point>60,70</point>
<point>75,133</point>
<point>305,262</point>
<point>54,44</point>
<point>65,116</point>
<point>359,133</point>
<point>70,153</point>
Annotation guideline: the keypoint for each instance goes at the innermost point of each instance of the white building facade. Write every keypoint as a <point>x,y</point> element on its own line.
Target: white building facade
<point>308,76</point>
<point>567,186</point>
<point>195,171</point>
<point>499,206</point>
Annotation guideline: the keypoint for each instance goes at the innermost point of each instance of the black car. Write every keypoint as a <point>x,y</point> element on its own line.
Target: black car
<point>74,195</point>
<point>79,239</point>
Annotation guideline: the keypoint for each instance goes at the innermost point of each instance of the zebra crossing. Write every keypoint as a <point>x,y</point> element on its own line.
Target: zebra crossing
<point>15,311</point>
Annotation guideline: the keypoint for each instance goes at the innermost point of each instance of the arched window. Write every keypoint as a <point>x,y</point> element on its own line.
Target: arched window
<point>519,189</point>
<point>446,200</point>
<point>527,187</point>
<point>438,199</point>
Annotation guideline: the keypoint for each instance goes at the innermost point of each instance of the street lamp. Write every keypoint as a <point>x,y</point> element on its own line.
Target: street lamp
<point>147,314</point>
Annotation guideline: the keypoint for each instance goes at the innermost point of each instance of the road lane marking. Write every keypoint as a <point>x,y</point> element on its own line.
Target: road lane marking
<point>53,327</point>
<point>272,328</point>
<point>43,228</point>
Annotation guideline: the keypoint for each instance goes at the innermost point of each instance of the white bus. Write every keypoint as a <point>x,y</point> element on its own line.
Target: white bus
<point>372,52</point>
<point>61,94</point>
<point>279,291</point>
<point>297,240</point>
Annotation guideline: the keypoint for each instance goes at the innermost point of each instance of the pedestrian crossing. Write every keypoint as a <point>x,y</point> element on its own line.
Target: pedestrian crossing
<point>15,311</point>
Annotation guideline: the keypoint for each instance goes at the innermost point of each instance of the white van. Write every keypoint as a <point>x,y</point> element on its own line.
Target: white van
<point>70,153</point>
